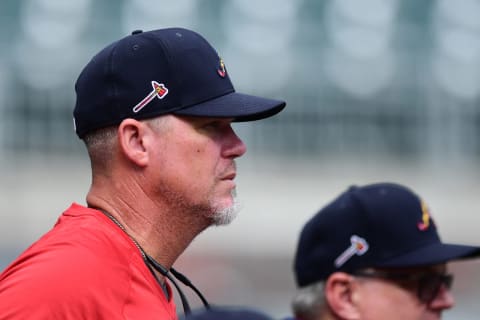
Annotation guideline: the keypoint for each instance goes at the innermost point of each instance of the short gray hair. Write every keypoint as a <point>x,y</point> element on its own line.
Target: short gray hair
<point>309,302</point>
<point>100,146</point>
<point>101,143</point>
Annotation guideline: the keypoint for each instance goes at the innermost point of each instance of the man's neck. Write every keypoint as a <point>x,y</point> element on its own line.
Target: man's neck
<point>161,233</point>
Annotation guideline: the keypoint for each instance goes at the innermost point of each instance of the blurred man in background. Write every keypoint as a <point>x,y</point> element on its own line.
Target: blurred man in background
<point>374,253</point>
<point>155,110</point>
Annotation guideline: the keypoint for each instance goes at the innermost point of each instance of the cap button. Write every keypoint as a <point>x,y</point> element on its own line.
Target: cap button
<point>136,32</point>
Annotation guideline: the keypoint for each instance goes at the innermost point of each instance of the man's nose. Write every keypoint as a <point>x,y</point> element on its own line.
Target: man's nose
<point>443,300</point>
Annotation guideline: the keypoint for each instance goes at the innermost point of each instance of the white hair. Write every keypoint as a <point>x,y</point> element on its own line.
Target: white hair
<point>309,302</point>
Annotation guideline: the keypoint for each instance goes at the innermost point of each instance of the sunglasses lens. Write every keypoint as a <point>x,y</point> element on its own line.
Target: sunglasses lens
<point>429,286</point>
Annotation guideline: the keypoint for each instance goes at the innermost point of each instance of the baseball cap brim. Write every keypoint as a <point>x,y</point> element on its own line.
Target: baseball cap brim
<point>435,253</point>
<point>241,107</point>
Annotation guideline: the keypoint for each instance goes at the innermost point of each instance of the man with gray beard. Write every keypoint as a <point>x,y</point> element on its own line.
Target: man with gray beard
<point>155,110</point>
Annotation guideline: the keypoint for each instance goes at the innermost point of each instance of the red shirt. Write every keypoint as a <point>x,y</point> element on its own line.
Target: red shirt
<point>86,267</point>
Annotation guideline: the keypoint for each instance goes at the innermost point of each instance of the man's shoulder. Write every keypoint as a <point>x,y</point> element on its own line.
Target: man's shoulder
<point>84,266</point>
<point>78,263</point>
<point>80,248</point>
<point>85,231</point>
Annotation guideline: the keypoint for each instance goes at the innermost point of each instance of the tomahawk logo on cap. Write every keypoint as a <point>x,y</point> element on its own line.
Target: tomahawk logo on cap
<point>159,91</point>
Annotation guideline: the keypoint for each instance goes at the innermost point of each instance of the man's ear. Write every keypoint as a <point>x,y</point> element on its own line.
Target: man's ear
<point>340,294</point>
<point>131,139</point>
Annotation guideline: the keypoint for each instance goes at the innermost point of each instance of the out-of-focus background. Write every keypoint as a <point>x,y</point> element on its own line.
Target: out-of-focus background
<point>377,90</point>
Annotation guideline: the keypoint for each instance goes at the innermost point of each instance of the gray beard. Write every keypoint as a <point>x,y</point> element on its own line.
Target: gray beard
<point>217,215</point>
<point>223,216</point>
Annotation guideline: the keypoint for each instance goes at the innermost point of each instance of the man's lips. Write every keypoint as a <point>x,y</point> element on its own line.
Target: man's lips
<point>229,176</point>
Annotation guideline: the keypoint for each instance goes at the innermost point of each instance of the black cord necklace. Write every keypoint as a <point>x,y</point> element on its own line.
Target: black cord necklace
<point>153,265</point>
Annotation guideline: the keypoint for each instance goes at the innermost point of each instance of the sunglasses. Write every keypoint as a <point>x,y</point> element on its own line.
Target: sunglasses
<point>427,284</point>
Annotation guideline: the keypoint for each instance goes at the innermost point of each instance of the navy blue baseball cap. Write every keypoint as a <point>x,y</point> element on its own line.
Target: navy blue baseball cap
<point>165,71</point>
<point>227,313</point>
<point>379,225</point>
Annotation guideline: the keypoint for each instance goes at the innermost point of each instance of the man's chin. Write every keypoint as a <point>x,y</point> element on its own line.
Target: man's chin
<point>223,217</point>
